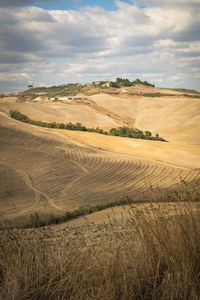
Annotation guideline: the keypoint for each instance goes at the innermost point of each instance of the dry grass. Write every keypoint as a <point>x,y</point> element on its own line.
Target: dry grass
<point>150,256</point>
<point>58,173</point>
<point>64,112</point>
<point>174,118</point>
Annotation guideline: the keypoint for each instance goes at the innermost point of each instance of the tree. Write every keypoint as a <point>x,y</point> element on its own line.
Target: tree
<point>60,125</point>
<point>157,136</point>
<point>148,134</point>
<point>114,131</point>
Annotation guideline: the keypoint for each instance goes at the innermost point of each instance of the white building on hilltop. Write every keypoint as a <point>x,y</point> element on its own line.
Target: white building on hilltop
<point>63,99</point>
<point>38,99</point>
<point>104,83</point>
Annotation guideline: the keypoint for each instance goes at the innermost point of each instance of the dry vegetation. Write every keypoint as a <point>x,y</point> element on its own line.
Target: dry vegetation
<point>57,174</point>
<point>132,252</point>
<point>61,171</point>
<point>151,255</point>
<point>176,118</point>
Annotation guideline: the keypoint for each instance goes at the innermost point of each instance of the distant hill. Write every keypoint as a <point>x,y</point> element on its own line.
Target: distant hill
<point>119,86</point>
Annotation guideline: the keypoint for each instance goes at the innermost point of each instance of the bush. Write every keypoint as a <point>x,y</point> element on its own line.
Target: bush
<point>120,82</point>
<point>19,116</point>
<point>121,131</point>
<point>138,81</point>
<point>133,133</point>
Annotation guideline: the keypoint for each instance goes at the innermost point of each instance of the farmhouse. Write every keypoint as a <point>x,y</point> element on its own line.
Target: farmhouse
<point>40,93</point>
<point>65,99</point>
<point>104,83</point>
<point>38,99</point>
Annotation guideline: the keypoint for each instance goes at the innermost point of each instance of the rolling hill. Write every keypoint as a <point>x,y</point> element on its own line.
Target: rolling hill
<point>53,171</point>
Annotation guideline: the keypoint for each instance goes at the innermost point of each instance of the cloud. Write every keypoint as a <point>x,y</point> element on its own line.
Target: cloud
<point>13,58</point>
<point>13,3</point>
<point>171,3</point>
<point>64,46</point>
<point>18,3</point>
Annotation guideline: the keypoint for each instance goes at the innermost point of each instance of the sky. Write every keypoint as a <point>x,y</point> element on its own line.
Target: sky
<point>49,42</point>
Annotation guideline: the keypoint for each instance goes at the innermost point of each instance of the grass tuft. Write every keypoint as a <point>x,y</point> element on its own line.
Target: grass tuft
<point>154,254</point>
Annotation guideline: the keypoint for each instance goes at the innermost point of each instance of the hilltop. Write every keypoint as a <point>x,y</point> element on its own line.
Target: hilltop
<point>117,87</point>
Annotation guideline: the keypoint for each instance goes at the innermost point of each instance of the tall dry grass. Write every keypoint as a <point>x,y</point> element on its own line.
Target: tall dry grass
<point>155,254</point>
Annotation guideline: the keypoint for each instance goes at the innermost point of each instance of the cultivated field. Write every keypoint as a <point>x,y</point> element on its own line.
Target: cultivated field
<point>142,250</point>
<point>60,112</point>
<point>177,119</point>
<point>53,171</point>
<point>56,176</point>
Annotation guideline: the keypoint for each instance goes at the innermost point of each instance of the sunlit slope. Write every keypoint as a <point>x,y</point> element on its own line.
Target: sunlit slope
<point>49,171</point>
<point>182,155</point>
<point>61,112</point>
<point>175,118</point>
<point>140,88</point>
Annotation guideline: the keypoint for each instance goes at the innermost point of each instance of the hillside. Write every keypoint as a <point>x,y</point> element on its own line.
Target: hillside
<point>72,180</point>
<point>175,118</point>
<point>74,89</point>
<point>52,171</point>
<point>58,170</point>
<point>123,254</point>
<point>174,115</point>
<point>99,150</point>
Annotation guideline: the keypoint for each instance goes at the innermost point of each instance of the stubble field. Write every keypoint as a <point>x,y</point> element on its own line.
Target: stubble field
<point>54,171</point>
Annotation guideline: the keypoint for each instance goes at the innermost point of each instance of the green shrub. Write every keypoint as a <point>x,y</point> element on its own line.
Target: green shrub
<point>121,131</point>
<point>133,133</point>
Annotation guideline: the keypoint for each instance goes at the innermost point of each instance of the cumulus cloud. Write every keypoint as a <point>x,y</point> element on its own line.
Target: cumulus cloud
<point>56,46</point>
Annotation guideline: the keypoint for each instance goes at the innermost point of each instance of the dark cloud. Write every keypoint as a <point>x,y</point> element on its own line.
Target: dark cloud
<point>22,41</point>
<point>16,58</point>
<point>16,33</point>
<point>190,34</point>
<point>188,53</point>
<point>11,86</point>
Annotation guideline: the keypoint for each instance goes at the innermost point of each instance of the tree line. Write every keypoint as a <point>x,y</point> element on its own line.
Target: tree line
<point>120,131</point>
<point>120,82</point>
